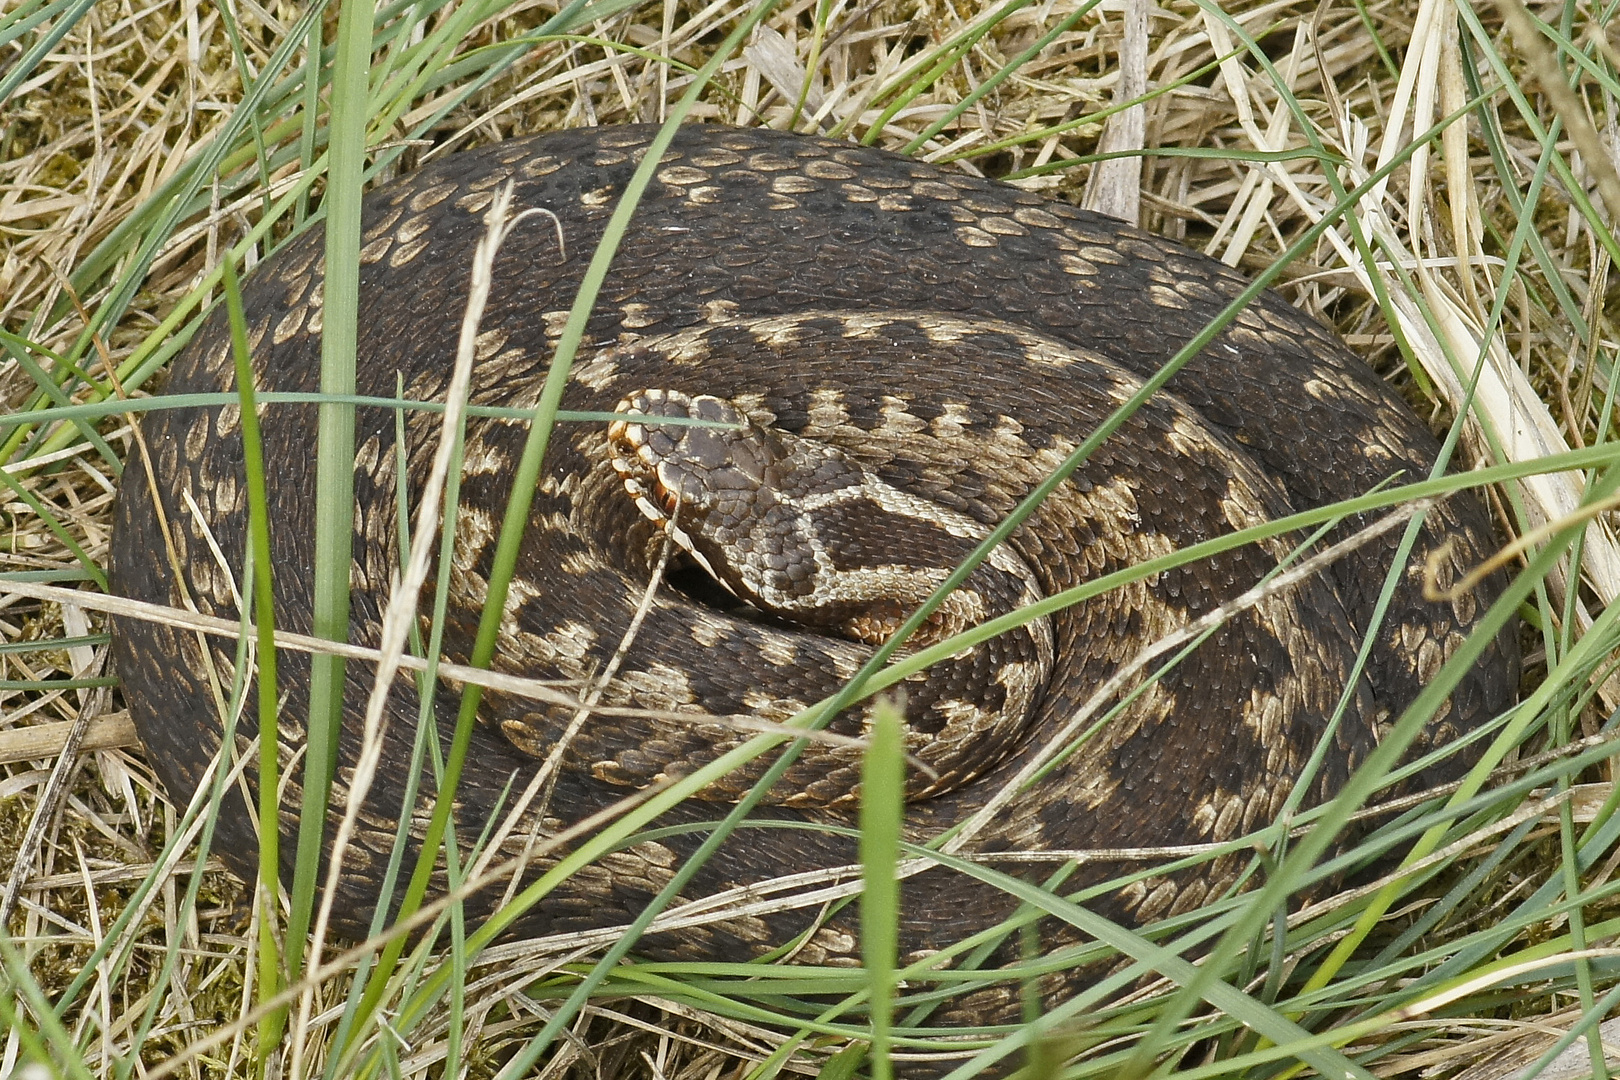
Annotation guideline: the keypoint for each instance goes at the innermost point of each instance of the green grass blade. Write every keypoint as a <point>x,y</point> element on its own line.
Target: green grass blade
<point>98,409</point>
<point>21,987</point>
<point>67,16</point>
<point>334,469</point>
<point>269,981</point>
<point>883,804</point>
<point>20,349</point>
<point>61,532</point>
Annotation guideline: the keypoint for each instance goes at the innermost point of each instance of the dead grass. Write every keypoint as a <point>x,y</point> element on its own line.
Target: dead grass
<point>131,93</point>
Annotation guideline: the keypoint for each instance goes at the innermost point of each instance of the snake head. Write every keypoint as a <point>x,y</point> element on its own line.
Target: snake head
<point>798,528</point>
<point>699,469</point>
<point>708,485</point>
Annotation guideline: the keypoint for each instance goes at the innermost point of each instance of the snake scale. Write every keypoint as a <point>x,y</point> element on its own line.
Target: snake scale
<point>926,346</point>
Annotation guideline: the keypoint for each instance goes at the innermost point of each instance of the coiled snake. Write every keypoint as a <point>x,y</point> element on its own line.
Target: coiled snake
<point>906,352</point>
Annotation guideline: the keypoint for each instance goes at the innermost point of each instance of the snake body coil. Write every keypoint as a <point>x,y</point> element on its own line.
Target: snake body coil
<point>951,340</point>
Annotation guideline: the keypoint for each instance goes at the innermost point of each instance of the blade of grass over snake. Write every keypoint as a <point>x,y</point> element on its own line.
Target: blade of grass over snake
<point>883,786</point>
<point>602,842</point>
<point>438,508</point>
<point>426,728</point>
<point>299,397</point>
<point>334,469</point>
<point>264,613</point>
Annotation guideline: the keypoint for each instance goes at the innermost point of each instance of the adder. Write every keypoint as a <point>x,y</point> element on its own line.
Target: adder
<point>896,354</point>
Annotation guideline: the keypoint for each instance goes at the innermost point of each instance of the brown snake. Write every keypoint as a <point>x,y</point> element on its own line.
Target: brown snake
<point>910,351</point>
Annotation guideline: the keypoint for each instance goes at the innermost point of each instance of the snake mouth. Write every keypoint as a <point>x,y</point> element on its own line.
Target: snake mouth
<point>656,500</point>
<point>637,461</point>
<point>668,501</point>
